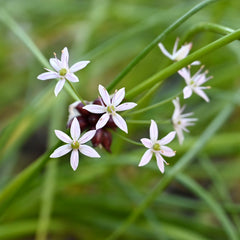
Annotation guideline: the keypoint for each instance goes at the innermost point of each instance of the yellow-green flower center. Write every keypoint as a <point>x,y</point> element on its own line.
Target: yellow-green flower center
<point>156,147</point>
<point>63,71</point>
<point>110,109</point>
<point>75,145</point>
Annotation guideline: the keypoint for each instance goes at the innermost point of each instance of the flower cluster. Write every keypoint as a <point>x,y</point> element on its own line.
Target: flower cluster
<point>193,84</point>
<point>101,116</point>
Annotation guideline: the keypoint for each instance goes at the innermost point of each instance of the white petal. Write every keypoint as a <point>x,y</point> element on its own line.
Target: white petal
<point>71,77</point>
<point>153,131</point>
<point>104,95</point>
<point>202,94</point>
<point>146,142</point>
<point>167,139</point>
<point>63,136</point>
<point>118,97</point>
<point>87,136</point>
<point>47,75</point>
<point>102,121</point>
<point>184,72</point>
<point>125,106</point>
<point>120,122</point>
<point>183,52</point>
<point>180,135</point>
<point>187,92</point>
<point>74,160</point>
<point>145,158</point>
<point>201,79</point>
<point>177,110</point>
<point>89,151</point>
<point>175,45</point>
<point>167,151</point>
<point>164,51</point>
<point>94,108</point>
<point>75,129</point>
<point>61,151</point>
<point>195,63</point>
<point>59,86</point>
<point>56,64</point>
<point>65,57</point>
<point>160,162</point>
<point>78,66</point>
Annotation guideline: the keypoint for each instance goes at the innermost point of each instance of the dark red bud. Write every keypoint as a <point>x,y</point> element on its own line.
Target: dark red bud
<point>80,109</point>
<point>107,140</point>
<point>93,118</point>
<point>82,122</point>
<point>97,139</point>
<point>111,124</point>
<point>97,101</point>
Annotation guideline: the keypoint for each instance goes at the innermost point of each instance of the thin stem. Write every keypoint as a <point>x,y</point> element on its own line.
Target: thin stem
<point>148,94</point>
<point>146,50</point>
<point>76,93</point>
<point>160,76</point>
<point>147,122</point>
<point>156,105</point>
<point>127,139</point>
<point>208,27</point>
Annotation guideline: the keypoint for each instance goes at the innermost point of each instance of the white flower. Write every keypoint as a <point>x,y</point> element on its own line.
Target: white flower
<point>62,70</point>
<point>110,106</point>
<point>194,83</point>
<point>178,55</point>
<point>157,147</point>
<point>75,144</point>
<point>181,121</point>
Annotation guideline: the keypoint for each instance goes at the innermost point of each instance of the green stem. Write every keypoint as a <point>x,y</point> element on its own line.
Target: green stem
<point>160,76</point>
<point>178,167</point>
<point>156,105</point>
<point>213,204</point>
<point>127,139</point>
<point>146,50</point>
<point>208,27</point>
<point>76,93</point>
<point>147,122</point>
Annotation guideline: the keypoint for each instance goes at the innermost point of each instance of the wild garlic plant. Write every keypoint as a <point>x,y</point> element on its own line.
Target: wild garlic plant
<point>127,138</point>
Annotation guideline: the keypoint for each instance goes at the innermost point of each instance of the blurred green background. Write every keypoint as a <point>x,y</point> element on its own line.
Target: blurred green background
<point>201,202</point>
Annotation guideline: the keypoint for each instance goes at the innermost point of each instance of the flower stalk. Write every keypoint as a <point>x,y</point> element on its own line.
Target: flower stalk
<point>163,74</point>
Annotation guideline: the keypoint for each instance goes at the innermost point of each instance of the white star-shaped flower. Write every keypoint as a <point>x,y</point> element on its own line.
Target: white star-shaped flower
<point>157,147</point>
<point>75,144</point>
<point>62,70</point>
<point>194,83</point>
<point>178,55</point>
<point>109,108</point>
<point>181,121</point>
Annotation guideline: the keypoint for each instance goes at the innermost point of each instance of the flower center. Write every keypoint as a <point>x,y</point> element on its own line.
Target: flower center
<point>110,109</point>
<point>156,147</point>
<point>75,145</point>
<point>63,71</point>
